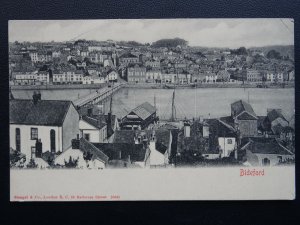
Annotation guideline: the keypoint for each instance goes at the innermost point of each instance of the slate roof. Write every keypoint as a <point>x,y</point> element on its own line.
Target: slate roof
<point>124,136</point>
<point>261,124</point>
<point>127,137</point>
<point>228,120</point>
<point>262,145</point>
<point>144,110</point>
<point>274,114</point>
<point>86,146</point>
<point>241,106</point>
<point>123,151</point>
<point>94,121</point>
<point>220,129</point>
<point>44,112</point>
<point>194,143</point>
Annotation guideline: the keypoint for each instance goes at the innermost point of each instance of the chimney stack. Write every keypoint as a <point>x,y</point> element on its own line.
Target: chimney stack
<point>187,129</point>
<point>76,143</point>
<point>36,97</point>
<point>205,130</point>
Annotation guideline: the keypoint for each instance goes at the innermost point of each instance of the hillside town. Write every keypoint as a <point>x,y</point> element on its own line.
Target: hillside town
<point>167,61</point>
<point>79,134</point>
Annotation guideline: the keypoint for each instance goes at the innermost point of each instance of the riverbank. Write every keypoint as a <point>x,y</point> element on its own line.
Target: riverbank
<point>57,87</point>
<point>207,85</point>
<point>149,86</point>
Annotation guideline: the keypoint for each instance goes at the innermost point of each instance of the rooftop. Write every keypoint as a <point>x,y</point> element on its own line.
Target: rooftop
<point>262,145</point>
<point>123,151</point>
<point>241,106</point>
<point>144,110</point>
<point>44,112</point>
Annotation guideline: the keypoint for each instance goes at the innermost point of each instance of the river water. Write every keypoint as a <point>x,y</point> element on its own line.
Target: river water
<point>189,103</point>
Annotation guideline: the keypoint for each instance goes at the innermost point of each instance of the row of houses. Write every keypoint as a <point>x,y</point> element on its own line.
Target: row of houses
<point>140,74</point>
<point>64,76</point>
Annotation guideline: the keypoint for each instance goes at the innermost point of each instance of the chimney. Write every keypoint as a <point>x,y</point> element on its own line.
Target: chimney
<point>205,130</point>
<point>187,129</point>
<point>38,148</point>
<point>76,143</point>
<point>152,142</point>
<point>39,95</point>
<point>36,97</point>
<point>89,111</point>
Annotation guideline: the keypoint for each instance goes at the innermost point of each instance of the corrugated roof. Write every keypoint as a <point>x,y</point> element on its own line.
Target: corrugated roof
<point>44,112</point>
<point>144,110</point>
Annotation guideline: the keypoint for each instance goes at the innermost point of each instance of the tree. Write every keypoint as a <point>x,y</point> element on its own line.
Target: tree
<point>32,164</point>
<point>72,163</point>
<point>169,43</point>
<point>16,159</point>
<point>87,156</point>
<point>239,51</point>
<point>273,54</point>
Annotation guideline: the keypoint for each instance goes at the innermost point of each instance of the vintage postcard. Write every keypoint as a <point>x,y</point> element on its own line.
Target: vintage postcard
<point>152,109</point>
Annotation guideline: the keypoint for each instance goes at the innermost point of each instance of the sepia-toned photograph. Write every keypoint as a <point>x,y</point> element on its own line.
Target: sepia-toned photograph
<point>107,109</point>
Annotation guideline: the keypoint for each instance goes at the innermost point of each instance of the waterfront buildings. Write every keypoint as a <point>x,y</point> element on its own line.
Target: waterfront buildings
<point>136,74</point>
<point>254,75</point>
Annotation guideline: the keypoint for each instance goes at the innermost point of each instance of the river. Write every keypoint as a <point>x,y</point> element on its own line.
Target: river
<point>189,103</point>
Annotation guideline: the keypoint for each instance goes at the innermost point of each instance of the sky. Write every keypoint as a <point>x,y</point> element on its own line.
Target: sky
<point>231,33</point>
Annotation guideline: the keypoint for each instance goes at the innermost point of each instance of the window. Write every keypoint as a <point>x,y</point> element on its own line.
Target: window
<point>266,162</point>
<point>279,159</point>
<point>32,152</point>
<point>18,139</point>
<point>87,137</point>
<point>34,133</point>
<point>52,140</point>
<point>229,141</point>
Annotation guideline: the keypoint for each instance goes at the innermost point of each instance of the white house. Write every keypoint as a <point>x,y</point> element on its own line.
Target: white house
<point>25,78</point>
<point>211,78</point>
<point>86,154</point>
<point>270,154</point>
<point>42,77</point>
<point>34,56</point>
<point>224,133</point>
<point>153,76</point>
<point>69,76</point>
<point>93,129</point>
<point>112,75</point>
<point>274,77</point>
<point>38,126</point>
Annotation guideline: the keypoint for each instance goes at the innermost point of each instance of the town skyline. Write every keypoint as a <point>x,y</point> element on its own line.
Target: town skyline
<point>209,33</point>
